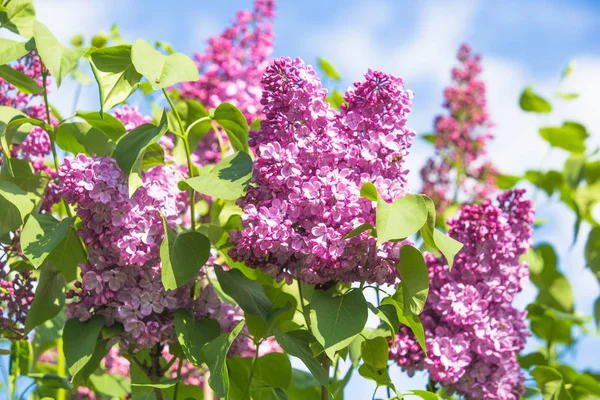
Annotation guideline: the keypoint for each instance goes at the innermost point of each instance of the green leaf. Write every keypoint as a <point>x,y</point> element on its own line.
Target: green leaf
<point>91,366</point>
<point>568,70</point>
<point>58,59</point>
<point>337,320</point>
<point>387,313</point>
<point>425,395</point>
<point>297,343</point>
<point>549,181</point>
<point>273,371</point>
<point>41,234</point>
<point>592,251</point>
<point>49,297</point>
<point>215,355</point>
<point>14,128</point>
<point>68,255</point>
<point>380,376</point>
<point>116,76</point>
<point>369,191</point>
<point>574,169</point>
<point>191,111</point>
<point>18,17</point>
<point>131,148</point>
<point>532,102</point>
<point>506,182</point>
<point>412,321</point>
<point>111,385</point>
<point>160,70</point>
<point>234,124</point>
<point>414,279</point>
<point>248,294</point>
<point>597,313</point>
<point>401,219</point>
<point>328,69</point>
<point>227,180</point>
<point>554,289</point>
<point>79,341</point>
<point>109,125</point>
<point>15,205</point>
<point>19,80</point>
<point>79,137</point>
<point>550,382</point>
<point>193,334</point>
<point>360,229</point>
<point>570,136</point>
<point>336,99</point>
<point>447,246</point>
<point>567,96</point>
<point>182,254</point>
<point>375,352</point>
<point>163,384</point>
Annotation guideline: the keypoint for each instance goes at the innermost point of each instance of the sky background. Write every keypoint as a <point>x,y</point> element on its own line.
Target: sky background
<point>522,43</point>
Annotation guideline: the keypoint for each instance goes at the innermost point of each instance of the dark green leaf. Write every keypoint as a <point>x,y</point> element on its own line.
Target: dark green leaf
<point>532,102</point>
<point>49,297</point>
<point>79,341</point>
<point>19,80</point>
<point>234,124</point>
<point>58,59</point>
<point>249,294</point>
<point>160,70</point>
<point>182,255</point>
<point>193,334</point>
<point>111,385</point>
<point>337,320</point>
<point>116,76</point>
<point>227,180</point>
<point>297,343</point>
<point>215,355</point>
<point>92,365</point>
<point>570,136</point>
<point>131,148</point>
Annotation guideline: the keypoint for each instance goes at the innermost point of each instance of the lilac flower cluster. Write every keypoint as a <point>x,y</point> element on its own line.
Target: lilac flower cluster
<point>461,138</point>
<point>16,293</point>
<point>473,333</point>
<point>311,162</point>
<point>231,67</point>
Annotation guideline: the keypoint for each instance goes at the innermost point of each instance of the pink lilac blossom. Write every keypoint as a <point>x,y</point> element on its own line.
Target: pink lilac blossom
<point>473,333</point>
<point>232,65</point>
<point>311,162</point>
<point>461,137</point>
<point>231,70</point>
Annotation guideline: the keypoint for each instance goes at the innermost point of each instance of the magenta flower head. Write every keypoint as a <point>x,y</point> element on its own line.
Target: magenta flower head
<point>311,162</point>
<point>473,333</point>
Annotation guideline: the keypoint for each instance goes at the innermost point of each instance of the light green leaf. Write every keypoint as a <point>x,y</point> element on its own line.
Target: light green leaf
<point>425,395</point>
<point>109,125</point>
<point>401,219</point>
<point>328,69</point>
<point>58,59</point>
<point>248,294</point>
<point>233,122</point>
<point>79,341</point>
<point>447,246</point>
<point>116,76</point>
<point>14,129</point>
<point>412,321</point>
<point>19,80</point>
<point>227,180</point>
<point>506,182</point>
<point>79,137</point>
<point>49,297</point>
<point>369,191</point>
<point>337,320</point>
<point>41,234</point>
<point>111,385</point>
<point>550,382</point>
<point>568,70</point>
<point>415,279</point>
<point>18,17</point>
<point>567,96</point>
<point>193,334</point>
<point>131,148</point>
<point>298,344</point>
<point>570,136</point>
<point>375,352</point>
<point>215,355</point>
<point>160,70</point>
<point>533,102</point>
<point>183,255</point>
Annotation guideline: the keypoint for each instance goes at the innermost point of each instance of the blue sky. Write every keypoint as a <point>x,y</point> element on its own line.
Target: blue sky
<point>522,42</point>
